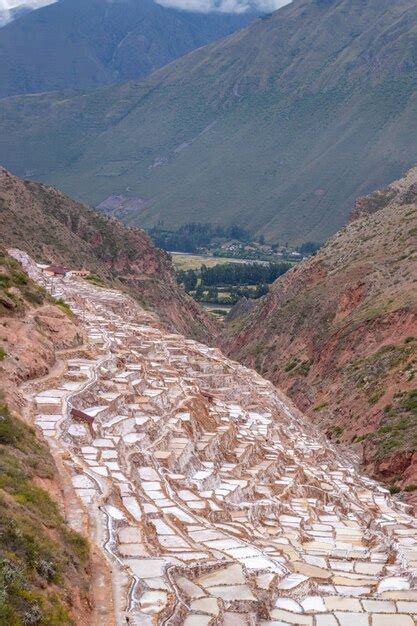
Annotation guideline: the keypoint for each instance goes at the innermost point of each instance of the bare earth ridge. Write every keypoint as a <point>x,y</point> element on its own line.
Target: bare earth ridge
<point>211,496</point>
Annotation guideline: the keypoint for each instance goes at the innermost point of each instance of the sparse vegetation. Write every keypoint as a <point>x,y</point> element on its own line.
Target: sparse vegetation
<point>297,367</point>
<point>360,438</point>
<point>320,407</point>
<point>375,396</point>
<point>16,288</point>
<point>398,429</point>
<point>64,307</point>
<point>292,364</point>
<point>39,555</point>
<point>304,368</point>
<point>409,402</point>
<point>96,280</point>
<point>187,173</point>
<point>219,312</point>
<point>394,489</point>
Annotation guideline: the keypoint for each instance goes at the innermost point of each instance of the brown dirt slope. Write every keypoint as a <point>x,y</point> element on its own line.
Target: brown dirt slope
<point>53,228</point>
<point>338,333</point>
<point>44,565</point>
<point>32,327</point>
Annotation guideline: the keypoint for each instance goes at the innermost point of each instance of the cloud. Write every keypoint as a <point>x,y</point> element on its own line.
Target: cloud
<point>8,8</point>
<point>34,4</point>
<point>225,6</point>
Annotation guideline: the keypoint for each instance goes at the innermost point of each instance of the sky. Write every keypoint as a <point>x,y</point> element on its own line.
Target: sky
<point>233,6</point>
<point>7,5</point>
<point>11,4</point>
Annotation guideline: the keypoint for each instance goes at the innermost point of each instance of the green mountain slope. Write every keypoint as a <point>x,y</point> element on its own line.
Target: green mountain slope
<point>277,127</point>
<point>88,43</point>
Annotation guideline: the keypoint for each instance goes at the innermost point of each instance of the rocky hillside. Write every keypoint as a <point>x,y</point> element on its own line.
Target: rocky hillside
<point>53,228</point>
<point>44,565</point>
<point>278,127</point>
<point>33,327</point>
<point>87,43</point>
<point>338,333</point>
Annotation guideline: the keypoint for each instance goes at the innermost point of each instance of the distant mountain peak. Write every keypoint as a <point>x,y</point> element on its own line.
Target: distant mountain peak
<point>84,44</point>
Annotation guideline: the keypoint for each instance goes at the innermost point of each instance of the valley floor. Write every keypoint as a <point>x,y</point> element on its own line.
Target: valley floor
<point>211,497</point>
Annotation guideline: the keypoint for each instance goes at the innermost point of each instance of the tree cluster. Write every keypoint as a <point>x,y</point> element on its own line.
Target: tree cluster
<point>242,273</point>
<point>309,247</point>
<point>194,235</point>
<point>237,278</point>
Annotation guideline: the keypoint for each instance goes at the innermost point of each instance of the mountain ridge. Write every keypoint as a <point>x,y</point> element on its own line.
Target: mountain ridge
<point>324,96</point>
<point>79,44</point>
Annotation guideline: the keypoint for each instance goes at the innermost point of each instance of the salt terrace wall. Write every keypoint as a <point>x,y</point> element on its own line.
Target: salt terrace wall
<point>211,496</point>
